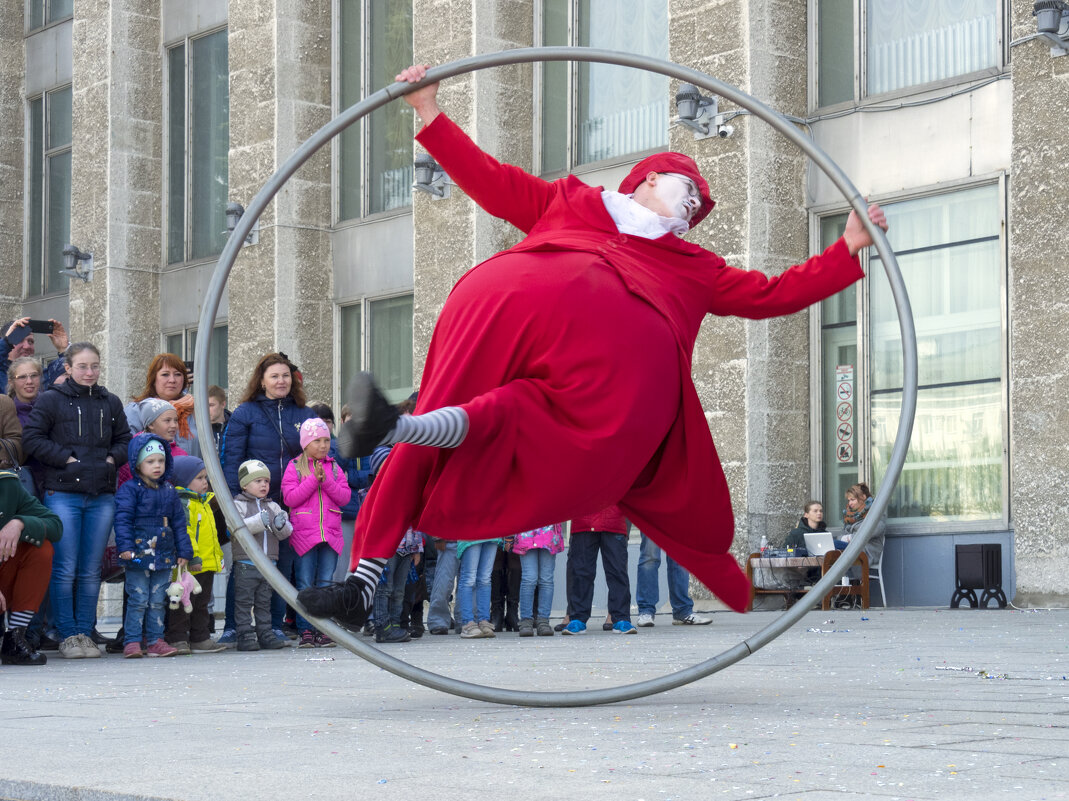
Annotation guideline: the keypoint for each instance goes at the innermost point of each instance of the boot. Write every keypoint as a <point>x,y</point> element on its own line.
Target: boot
<point>544,629</point>
<point>15,650</point>
<point>526,627</point>
<point>497,613</point>
<point>511,620</point>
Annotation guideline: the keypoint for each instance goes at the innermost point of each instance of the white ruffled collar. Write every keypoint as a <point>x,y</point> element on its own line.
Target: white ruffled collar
<point>635,219</point>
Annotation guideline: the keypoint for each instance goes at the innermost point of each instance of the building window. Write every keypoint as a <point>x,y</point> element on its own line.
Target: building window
<point>949,249</point>
<point>376,335</point>
<point>869,47</point>
<point>40,13</point>
<point>49,197</point>
<point>375,154</point>
<point>593,112</point>
<point>198,143</point>
<point>184,345</point>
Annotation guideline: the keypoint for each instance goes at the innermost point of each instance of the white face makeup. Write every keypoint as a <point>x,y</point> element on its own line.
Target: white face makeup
<point>679,195</point>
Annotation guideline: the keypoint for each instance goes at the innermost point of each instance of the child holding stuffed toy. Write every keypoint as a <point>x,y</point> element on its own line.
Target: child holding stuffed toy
<point>268,524</point>
<point>315,489</point>
<point>189,632</point>
<point>150,535</point>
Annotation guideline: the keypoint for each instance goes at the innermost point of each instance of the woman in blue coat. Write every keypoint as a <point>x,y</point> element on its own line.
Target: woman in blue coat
<point>266,426</point>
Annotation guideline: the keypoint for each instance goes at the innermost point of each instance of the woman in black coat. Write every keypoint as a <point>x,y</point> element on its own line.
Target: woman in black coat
<point>78,432</point>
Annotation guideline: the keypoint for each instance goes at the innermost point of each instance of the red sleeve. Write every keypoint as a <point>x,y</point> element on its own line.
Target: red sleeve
<point>503,190</point>
<point>751,294</point>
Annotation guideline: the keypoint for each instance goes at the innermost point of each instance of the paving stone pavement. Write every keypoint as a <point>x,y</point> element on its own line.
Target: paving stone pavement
<point>899,704</point>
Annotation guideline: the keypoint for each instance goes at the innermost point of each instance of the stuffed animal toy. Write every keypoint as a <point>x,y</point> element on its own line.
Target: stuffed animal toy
<point>182,589</point>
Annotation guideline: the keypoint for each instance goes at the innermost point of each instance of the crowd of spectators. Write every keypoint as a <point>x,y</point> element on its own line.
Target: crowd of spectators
<point>96,489</point>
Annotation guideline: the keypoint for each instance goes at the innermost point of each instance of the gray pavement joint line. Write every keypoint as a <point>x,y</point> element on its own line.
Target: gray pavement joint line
<point>669,681</point>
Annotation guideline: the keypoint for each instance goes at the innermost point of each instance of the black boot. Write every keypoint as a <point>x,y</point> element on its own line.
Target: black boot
<point>344,602</point>
<point>16,651</point>
<point>512,622</point>
<point>373,417</point>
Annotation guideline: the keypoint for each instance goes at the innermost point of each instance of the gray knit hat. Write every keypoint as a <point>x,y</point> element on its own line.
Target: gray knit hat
<point>151,408</point>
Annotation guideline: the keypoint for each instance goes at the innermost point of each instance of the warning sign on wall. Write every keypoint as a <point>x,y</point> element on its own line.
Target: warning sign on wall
<point>844,413</point>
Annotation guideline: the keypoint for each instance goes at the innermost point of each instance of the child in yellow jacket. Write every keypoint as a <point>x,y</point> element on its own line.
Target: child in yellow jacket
<point>190,632</point>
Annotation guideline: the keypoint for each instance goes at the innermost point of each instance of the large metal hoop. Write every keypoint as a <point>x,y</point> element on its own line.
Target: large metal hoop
<point>577,697</point>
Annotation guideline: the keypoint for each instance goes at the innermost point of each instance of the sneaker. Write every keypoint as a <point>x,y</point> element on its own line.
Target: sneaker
<point>281,634</point>
<point>487,628</point>
<point>437,631</point>
<point>575,627</point>
<point>228,639</point>
<point>132,650</point>
<point>373,418</point>
<point>89,648</point>
<point>645,621</point>
<point>248,642</point>
<point>307,640</point>
<point>71,648</point>
<point>182,647</point>
<point>269,641</point>
<point>369,629</point>
<point>161,648</point>
<point>393,633</point>
<point>323,641</point>
<point>526,627</point>
<point>207,647</point>
<point>343,601</point>
<point>624,627</point>
<point>471,631</point>
<point>289,629</point>
<point>692,620</point>
<point>543,627</point>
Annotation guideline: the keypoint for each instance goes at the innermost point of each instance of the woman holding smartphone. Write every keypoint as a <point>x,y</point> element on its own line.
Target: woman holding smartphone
<point>18,341</point>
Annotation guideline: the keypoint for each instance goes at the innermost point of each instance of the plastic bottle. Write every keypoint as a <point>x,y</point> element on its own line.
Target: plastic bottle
<point>764,544</point>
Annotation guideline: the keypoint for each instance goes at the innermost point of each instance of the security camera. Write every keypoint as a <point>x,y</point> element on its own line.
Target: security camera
<point>724,131</point>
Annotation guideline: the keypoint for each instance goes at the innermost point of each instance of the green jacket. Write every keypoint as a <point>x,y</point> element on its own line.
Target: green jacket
<point>39,522</point>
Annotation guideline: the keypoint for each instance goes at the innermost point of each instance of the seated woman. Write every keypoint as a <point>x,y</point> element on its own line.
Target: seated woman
<point>858,503</point>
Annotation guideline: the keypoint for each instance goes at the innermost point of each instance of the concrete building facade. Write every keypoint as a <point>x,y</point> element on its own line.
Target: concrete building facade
<point>126,127</point>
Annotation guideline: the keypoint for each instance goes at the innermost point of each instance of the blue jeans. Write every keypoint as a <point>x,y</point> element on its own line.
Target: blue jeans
<point>287,560</point>
<point>315,569</point>
<point>445,576</point>
<point>475,568</point>
<point>537,565</point>
<point>390,591</point>
<point>86,524</point>
<point>147,590</point>
<point>649,567</point>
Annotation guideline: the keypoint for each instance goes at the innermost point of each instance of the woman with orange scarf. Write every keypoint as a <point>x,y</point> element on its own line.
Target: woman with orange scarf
<point>168,379</point>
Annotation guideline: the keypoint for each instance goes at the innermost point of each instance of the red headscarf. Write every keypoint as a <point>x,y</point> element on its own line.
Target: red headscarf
<point>670,162</point>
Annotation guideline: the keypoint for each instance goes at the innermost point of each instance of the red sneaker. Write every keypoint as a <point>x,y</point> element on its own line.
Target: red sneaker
<point>161,648</point>
<point>132,650</point>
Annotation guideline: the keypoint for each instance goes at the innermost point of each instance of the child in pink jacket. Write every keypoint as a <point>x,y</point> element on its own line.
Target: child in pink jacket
<point>315,489</point>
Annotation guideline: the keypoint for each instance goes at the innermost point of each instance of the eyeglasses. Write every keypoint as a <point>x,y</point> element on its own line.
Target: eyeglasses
<point>692,188</point>
<point>27,377</point>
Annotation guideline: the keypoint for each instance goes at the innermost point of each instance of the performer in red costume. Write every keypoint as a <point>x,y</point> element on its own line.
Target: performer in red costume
<point>558,379</point>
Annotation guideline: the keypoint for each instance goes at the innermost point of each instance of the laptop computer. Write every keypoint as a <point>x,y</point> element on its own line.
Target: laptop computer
<point>819,544</point>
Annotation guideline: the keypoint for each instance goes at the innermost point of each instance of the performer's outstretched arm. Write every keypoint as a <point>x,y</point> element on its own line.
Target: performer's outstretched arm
<point>503,190</point>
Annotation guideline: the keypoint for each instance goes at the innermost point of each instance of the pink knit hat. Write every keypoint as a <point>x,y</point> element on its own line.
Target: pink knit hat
<point>311,429</point>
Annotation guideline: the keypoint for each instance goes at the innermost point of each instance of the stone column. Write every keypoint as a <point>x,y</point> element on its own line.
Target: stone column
<point>495,107</point>
<point>752,376</point>
<point>116,180</point>
<point>280,289</point>
<point>12,155</point>
<point>1039,317</point>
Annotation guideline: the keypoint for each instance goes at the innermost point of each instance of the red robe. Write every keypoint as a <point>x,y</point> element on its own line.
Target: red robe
<point>571,353</point>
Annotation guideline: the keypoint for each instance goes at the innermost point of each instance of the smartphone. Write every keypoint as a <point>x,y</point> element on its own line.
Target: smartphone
<point>42,326</point>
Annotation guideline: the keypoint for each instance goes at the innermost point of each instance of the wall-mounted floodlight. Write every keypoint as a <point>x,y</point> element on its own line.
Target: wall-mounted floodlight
<point>234,212</point>
<point>430,177</point>
<point>72,264</point>
<point>1052,23</point>
<point>697,111</point>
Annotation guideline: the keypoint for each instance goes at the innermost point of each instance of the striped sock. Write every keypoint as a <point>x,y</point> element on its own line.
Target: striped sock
<point>368,571</point>
<point>442,428</point>
<point>19,620</point>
